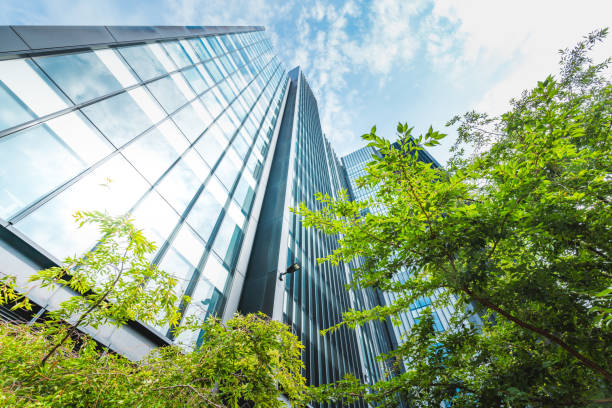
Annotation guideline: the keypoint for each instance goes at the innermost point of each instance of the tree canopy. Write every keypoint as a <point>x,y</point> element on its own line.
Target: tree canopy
<point>519,231</point>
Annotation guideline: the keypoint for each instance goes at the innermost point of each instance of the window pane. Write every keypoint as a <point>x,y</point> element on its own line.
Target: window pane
<point>142,61</point>
<point>167,94</point>
<point>113,187</point>
<point>179,186</point>
<point>228,169</point>
<point>195,80</point>
<point>215,273</point>
<point>177,53</point>
<point>213,70</point>
<point>204,214</point>
<point>152,154</point>
<point>212,41</point>
<point>119,118</point>
<point>30,85</point>
<point>80,137</point>
<point>212,103</point>
<point>204,301</point>
<point>201,52</point>
<point>227,125</point>
<point>240,145</point>
<point>175,264</point>
<point>156,218</point>
<point>13,112</point>
<point>211,145</point>
<point>244,195</point>
<point>227,241</point>
<point>254,166</point>
<point>34,162</point>
<point>189,244</point>
<point>81,76</point>
<point>193,160</point>
<point>190,122</point>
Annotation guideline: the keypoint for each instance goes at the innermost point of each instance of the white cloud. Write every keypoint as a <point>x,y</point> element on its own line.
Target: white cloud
<point>521,34</point>
<point>345,44</point>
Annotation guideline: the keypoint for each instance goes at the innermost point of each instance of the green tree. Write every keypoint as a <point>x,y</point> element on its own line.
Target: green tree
<point>251,358</point>
<point>52,364</point>
<point>115,281</point>
<point>520,232</point>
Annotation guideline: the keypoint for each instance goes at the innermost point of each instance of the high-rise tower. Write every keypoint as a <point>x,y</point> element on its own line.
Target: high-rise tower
<point>204,139</point>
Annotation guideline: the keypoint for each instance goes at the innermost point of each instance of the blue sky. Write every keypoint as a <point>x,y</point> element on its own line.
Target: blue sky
<point>377,62</point>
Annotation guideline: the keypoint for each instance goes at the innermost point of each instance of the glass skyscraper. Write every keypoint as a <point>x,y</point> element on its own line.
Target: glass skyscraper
<point>174,125</point>
<point>201,135</point>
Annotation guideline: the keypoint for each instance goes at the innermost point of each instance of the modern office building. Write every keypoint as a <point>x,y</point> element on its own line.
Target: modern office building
<point>201,135</point>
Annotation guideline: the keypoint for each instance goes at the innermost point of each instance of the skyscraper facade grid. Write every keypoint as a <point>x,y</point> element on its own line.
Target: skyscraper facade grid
<point>205,140</point>
<point>174,131</point>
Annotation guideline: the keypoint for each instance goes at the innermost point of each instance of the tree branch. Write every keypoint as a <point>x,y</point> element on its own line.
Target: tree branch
<point>585,360</point>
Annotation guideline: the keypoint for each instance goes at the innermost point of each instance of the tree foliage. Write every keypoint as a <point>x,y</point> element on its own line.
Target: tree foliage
<point>519,232</point>
<point>250,359</point>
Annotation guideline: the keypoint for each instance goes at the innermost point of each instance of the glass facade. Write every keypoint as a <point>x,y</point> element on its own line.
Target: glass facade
<point>171,131</point>
<point>315,296</point>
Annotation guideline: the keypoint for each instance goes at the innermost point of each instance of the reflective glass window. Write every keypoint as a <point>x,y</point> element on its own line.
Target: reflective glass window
<point>119,118</point>
<point>177,53</point>
<point>82,76</point>
<point>39,159</point>
<point>227,126</point>
<point>195,80</point>
<point>176,265</point>
<point>212,41</point>
<point>117,66</point>
<point>179,81</point>
<point>226,91</point>
<point>199,49</point>
<point>261,146</point>
<point>179,186</point>
<point>142,60</point>
<point>196,164</point>
<point>213,70</point>
<point>239,109</point>
<point>189,245</point>
<point>212,103</point>
<point>215,273</point>
<point>190,122</point>
<point>235,56</point>
<point>228,169</point>
<point>227,241</point>
<point>227,64</point>
<point>155,217</point>
<point>26,82</point>
<point>204,214</point>
<point>244,195</point>
<point>13,112</point>
<point>211,145</point>
<point>167,93</point>
<point>113,187</point>
<point>152,154</point>
<point>254,166</point>
<point>240,145</point>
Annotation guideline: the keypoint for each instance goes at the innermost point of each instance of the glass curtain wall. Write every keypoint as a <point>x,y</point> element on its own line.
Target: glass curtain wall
<point>174,133</point>
<point>315,296</point>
